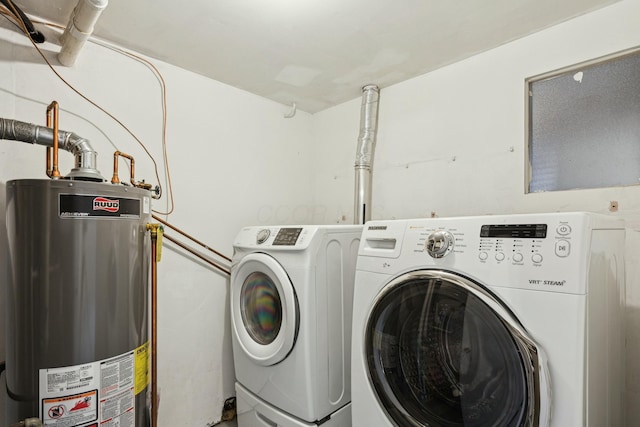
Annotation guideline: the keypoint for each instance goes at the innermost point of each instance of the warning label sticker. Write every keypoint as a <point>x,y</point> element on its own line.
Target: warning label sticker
<point>117,401</point>
<point>118,410</point>
<point>116,374</point>
<point>99,393</point>
<point>71,411</point>
<point>142,367</point>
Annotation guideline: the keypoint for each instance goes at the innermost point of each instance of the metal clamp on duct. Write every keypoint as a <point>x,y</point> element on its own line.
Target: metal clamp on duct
<point>85,156</point>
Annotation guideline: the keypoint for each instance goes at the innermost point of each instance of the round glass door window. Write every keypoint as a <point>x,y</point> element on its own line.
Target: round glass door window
<point>261,308</point>
<point>438,355</point>
<point>264,309</point>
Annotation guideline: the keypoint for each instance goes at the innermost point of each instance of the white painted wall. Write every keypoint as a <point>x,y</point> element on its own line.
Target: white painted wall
<point>235,161</point>
<point>453,142</point>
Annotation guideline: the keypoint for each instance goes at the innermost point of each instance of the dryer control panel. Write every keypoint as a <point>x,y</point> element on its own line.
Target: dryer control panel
<point>287,238</point>
<point>294,237</point>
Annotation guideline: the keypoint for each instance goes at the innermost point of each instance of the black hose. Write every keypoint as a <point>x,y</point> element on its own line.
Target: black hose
<point>3,365</point>
<point>35,35</point>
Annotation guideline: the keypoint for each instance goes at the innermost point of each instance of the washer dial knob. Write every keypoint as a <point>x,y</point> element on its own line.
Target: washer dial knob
<point>439,244</point>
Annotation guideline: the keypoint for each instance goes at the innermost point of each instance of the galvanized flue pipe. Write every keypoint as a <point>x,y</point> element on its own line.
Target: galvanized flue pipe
<point>364,153</point>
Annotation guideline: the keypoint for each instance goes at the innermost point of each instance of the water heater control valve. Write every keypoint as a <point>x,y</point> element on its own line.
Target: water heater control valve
<point>440,243</point>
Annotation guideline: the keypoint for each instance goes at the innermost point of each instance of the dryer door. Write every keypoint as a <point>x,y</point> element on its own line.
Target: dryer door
<point>264,309</point>
<point>442,350</point>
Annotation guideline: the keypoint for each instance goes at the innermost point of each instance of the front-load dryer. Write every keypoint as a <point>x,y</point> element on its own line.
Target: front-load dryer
<point>490,321</point>
<point>291,308</point>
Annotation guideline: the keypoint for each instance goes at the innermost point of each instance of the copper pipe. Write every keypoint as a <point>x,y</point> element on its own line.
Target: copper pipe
<point>191,238</point>
<point>53,171</point>
<point>207,260</point>
<point>116,180</point>
<point>49,148</point>
<point>154,323</point>
<point>49,162</point>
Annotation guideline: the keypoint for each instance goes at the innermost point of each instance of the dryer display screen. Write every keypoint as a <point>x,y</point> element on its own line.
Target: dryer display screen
<point>515,231</point>
<point>287,236</point>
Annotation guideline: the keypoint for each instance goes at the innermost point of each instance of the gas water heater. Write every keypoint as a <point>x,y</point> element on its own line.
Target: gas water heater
<point>78,299</point>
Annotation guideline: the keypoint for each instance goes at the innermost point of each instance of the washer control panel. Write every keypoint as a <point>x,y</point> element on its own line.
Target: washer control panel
<point>526,251</point>
<point>533,244</point>
<point>524,243</point>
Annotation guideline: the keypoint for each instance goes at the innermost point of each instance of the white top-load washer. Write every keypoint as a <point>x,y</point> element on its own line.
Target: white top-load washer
<point>490,321</point>
<point>291,308</point>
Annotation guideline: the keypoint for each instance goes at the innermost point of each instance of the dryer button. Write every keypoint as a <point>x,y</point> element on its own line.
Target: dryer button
<point>563,248</point>
<point>517,257</point>
<point>500,256</point>
<point>483,256</point>
<point>536,258</point>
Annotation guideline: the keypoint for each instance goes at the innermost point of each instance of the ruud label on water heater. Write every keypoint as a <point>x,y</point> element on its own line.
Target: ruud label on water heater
<point>82,206</point>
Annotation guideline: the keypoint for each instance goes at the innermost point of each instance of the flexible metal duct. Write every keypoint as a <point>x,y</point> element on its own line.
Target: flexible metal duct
<point>85,163</point>
<point>364,153</point>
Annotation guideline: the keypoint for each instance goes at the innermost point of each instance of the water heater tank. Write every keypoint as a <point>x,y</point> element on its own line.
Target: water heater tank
<point>77,352</point>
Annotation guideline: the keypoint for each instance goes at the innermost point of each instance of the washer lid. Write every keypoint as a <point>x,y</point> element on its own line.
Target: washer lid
<point>264,309</point>
<point>443,350</point>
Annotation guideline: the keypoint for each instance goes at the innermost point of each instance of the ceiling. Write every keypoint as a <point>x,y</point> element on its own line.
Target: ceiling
<point>315,53</point>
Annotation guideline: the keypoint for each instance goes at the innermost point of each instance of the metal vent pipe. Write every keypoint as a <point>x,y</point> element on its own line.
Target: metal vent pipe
<point>85,155</point>
<point>365,151</point>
